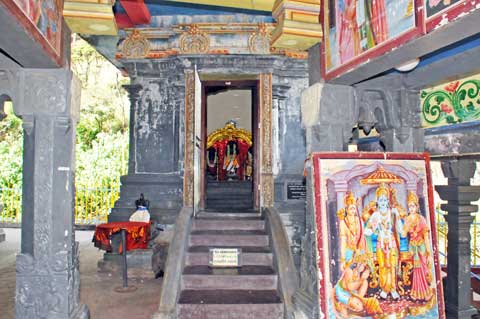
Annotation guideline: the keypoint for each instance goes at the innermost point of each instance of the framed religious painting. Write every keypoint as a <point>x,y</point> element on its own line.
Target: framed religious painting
<point>442,12</point>
<point>375,236</point>
<point>43,21</point>
<point>358,30</point>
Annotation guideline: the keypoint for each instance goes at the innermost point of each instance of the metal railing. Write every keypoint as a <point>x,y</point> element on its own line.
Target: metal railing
<point>92,203</point>
<point>442,240</point>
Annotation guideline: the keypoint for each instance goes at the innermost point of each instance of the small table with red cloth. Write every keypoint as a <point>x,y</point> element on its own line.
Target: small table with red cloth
<point>137,235</point>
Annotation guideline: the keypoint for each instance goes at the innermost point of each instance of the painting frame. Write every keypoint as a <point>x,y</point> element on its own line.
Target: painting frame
<point>55,52</point>
<point>324,237</point>
<point>416,31</point>
<point>450,13</point>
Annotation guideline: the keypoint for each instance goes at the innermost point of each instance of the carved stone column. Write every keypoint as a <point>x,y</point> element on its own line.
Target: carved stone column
<point>133,95</point>
<point>153,165</point>
<point>48,280</point>
<point>328,114</point>
<point>459,194</point>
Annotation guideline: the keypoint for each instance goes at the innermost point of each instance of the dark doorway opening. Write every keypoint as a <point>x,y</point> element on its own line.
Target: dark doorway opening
<point>229,131</point>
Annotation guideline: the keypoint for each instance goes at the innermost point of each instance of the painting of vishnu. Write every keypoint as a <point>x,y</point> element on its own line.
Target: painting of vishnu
<point>355,26</point>
<point>376,237</point>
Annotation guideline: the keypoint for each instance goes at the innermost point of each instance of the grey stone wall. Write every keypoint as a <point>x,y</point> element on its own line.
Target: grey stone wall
<point>157,94</point>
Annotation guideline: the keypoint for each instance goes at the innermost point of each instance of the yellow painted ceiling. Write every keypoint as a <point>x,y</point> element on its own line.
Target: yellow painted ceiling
<point>261,5</point>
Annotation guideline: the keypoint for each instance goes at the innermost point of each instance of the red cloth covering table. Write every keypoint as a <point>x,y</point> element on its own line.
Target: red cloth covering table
<point>137,235</point>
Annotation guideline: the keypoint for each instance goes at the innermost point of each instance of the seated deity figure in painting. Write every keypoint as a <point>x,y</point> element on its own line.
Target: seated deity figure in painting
<point>417,229</point>
<point>352,241</point>
<point>382,224</point>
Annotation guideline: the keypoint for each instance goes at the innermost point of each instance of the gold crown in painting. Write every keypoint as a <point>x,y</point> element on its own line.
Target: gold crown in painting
<point>382,190</point>
<point>349,199</point>
<point>412,198</point>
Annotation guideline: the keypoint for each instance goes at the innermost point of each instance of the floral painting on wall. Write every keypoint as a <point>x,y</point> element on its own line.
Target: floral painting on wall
<point>451,103</point>
<point>353,27</point>
<point>376,238</point>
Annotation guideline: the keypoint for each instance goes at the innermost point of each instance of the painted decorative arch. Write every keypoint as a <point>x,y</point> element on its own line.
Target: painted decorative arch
<point>229,132</point>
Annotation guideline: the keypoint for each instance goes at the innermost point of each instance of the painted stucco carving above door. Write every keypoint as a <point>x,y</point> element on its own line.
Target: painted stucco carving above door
<point>233,36</point>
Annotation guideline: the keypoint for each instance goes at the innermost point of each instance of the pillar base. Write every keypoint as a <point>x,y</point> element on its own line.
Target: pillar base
<point>305,304</point>
<point>164,191</point>
<point>81,313</point>
<point>454,313</point>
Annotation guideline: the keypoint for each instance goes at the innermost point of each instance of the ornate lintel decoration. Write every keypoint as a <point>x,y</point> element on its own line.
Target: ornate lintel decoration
<point>135,46</point>
<point>229,132</point>
<point>259,41</point>
<point>194,40</point>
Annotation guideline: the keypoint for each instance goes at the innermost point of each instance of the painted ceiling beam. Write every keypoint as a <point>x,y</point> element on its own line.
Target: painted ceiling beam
<point>259,5</point>
<point>298,26</point>
<point>123,21</point>
<point>90,17</point>
<point>137,11</point>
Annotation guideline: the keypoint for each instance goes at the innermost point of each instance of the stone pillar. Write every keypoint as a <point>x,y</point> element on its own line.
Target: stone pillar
<point>48,280</point>
<point>153,167</point>
<point>133,95</point>
<point>459,194</point>
<point>328,115</point>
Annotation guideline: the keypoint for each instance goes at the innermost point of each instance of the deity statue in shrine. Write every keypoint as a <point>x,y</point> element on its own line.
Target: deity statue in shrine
<point>229,154</point>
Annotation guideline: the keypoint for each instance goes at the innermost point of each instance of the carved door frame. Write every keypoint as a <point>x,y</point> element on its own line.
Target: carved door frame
<point>264,192</point>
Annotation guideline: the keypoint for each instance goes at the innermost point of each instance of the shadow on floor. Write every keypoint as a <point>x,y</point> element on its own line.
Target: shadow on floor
<point>96,290</point>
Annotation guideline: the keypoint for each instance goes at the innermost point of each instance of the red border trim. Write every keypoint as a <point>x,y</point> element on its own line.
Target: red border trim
<point>450,13</point>
<point>33,31</point>
<point>318,229</point>
<point>415,32</point>
<point>316,157</point>
<point>433,227</point>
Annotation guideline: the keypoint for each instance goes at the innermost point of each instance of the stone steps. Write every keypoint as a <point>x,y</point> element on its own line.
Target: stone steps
<point>245,215</point>
<point>248,259</point>
<point>228,195</point>
<point>228,240</point>
<point>249,291</point>
<point>201,224</point>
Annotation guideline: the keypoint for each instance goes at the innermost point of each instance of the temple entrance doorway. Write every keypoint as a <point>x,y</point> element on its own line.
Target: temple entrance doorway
<point>229,130</point>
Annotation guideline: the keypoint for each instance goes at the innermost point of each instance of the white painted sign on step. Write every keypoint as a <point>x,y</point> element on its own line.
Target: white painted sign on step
<point>225,257</point>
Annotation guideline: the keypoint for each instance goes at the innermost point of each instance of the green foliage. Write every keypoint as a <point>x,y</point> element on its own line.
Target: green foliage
<point>102,140</point>
<point>102,131</point>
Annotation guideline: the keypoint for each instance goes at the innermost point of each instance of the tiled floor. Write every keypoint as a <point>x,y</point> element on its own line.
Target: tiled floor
<point>96,290</point>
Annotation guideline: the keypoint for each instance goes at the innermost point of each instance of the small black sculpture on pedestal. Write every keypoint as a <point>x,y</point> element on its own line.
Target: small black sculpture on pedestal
<point>142,202</point>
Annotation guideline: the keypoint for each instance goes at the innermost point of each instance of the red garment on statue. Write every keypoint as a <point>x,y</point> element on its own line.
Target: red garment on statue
<point>220,146</point>
<point>242,157</point>
<point>137,235</point>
